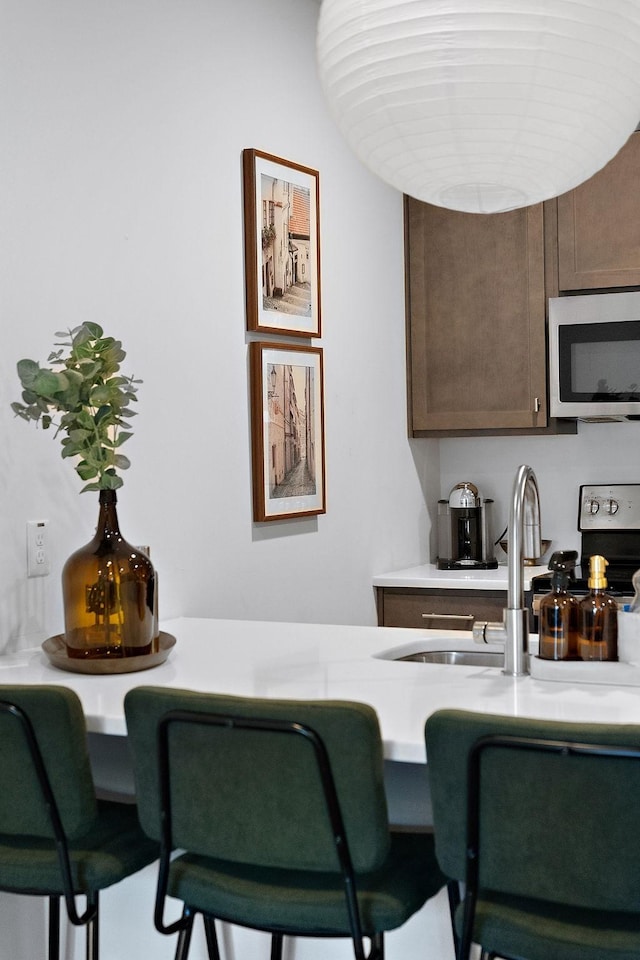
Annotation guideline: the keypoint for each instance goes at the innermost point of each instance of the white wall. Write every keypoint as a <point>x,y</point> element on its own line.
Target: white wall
<point>120,184</point>
<point>598,453</point>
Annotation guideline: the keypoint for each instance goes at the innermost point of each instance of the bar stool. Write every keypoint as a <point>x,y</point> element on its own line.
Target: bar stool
<point>56,839</point>
<point>280,811</point>
<point>540,819</point>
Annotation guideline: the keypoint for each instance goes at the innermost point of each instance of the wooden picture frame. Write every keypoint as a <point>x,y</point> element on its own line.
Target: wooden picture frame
<point>282,245</point>
<point>287,430</point>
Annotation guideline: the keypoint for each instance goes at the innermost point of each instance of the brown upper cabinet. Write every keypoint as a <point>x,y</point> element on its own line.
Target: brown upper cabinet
<point>477,288</point>
<point>599,226</point>
<point>476,297</point>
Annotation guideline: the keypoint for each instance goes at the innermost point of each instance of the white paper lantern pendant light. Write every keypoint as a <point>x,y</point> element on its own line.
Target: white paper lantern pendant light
<point>482,105</point>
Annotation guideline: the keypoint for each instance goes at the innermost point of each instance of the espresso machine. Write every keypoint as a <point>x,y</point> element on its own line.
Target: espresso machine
<point>465,530</point>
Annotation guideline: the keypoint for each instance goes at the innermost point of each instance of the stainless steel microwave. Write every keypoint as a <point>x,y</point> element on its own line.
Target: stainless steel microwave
<point>594,356</point>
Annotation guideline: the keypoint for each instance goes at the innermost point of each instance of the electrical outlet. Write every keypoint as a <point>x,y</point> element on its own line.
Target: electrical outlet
<point>38,564</point>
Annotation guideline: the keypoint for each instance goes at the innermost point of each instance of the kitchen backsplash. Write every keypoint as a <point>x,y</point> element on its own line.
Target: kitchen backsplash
<point>599,453</point>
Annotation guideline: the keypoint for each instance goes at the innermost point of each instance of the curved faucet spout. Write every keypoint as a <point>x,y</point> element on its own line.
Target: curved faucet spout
<point>524,532</point>
<point>524,541</point>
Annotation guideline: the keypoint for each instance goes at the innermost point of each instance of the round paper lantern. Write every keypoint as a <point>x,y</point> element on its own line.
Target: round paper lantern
<point>482,105</point>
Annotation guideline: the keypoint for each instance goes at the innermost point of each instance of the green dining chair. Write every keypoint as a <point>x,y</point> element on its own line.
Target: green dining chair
<point>541,822</point>
<point>57,840</point>
<point>279,810</point>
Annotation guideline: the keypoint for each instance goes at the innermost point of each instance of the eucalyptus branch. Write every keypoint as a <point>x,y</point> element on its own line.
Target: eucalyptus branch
<point>92,397</point>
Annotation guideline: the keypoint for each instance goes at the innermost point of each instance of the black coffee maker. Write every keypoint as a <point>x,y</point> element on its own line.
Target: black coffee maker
<point>465,538</point>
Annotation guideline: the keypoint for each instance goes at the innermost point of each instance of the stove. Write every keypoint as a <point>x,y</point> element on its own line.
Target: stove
<point>609,521</point>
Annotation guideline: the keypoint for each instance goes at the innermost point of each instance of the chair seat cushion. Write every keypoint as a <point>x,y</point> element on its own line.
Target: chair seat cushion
<point>311,903</point>
<point>114,848</point>
<point>517,927</point>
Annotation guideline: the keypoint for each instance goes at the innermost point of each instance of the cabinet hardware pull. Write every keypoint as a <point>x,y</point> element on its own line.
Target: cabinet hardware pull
<point>448,616</point>
<point>536,404</point>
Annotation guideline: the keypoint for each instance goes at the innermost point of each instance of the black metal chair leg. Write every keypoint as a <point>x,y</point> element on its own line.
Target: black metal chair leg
<point>211,937</point>
<point>377,947</point>
<point>184,937</point>
<point>54,928</point>
<point>453,891</point>
<point>93,928</point>
<point>277,940</point>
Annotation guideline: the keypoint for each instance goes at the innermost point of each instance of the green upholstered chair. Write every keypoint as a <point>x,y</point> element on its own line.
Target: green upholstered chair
<point>280,811</point>
<point>56,839</point>
<point>541,820</point>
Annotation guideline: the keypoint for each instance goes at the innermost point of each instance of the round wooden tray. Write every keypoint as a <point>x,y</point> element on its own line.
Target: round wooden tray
<point>56,651</point>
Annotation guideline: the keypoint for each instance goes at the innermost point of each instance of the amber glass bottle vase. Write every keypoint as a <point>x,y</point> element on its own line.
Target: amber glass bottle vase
<point>109,593</point>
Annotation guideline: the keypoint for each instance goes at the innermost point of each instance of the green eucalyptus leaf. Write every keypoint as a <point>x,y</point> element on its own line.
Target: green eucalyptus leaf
<point>88,368</point>
<point>79,434</point>
<point>121,462</point>
<point>47,383</point>
<point>94,329</point>
<point>123,436</point>
<point>84,419</point>
<point>27,371</point>
<point>103,413</point>
<point>81,335</point>
<point>86,471</point>
<point>100,394</point>
<point>110,481</point>
<point>20,410</point>
<point>74,376</point>
<point>90,486</point>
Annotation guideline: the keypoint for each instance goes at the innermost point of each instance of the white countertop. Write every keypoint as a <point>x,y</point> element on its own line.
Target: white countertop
<point>324,661</point>
<point>427,575</point>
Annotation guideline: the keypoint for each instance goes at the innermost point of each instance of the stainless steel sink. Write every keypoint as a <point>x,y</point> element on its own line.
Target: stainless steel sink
<point>465,658</point>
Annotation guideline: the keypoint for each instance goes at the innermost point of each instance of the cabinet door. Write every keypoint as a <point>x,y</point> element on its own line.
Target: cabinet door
<point>476,320</point>
<point>599,226</point>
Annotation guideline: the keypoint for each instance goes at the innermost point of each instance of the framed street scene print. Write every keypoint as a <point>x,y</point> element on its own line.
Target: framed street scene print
<point>282,245</point>
<point>287,430</point>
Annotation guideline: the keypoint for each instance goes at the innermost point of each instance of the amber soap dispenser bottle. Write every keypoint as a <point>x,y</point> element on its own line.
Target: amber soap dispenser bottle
<point>598,617</point>
<point>558,617</point>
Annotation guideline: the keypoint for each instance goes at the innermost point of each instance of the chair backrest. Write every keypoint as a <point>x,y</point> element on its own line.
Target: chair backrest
<point>558,819</point>
<point>56,718</point>
<point>253,796</point>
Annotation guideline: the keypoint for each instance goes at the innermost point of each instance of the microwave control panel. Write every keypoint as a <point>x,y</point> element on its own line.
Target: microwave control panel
<point>614,506</point>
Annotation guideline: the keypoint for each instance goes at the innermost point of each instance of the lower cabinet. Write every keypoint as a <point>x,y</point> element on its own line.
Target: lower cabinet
<point>438,609</point>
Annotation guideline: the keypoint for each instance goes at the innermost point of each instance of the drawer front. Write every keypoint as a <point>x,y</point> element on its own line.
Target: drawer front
<point>447,610</point>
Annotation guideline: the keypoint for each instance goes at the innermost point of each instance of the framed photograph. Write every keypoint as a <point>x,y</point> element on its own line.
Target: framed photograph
<point>282,245</point>
<point>287,431</point>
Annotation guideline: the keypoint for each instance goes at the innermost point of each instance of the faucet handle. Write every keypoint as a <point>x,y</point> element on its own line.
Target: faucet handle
<point>478,631</point>
<point>484,632</point>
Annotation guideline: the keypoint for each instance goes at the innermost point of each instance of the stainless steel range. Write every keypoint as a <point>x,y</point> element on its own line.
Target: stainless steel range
<point>609,521</point>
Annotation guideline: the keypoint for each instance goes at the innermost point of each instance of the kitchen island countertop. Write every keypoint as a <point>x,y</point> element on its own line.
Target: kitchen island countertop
<point>328,661</point>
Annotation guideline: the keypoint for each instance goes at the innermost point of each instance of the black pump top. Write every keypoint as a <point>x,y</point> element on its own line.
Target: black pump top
<point>561,565</point>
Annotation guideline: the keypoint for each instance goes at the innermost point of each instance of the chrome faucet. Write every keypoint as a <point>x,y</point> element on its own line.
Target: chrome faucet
<point>523,541</point>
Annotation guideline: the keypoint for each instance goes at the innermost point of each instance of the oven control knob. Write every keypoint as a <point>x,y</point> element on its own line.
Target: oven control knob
<point>591,506</point>
<point>611,506</point>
